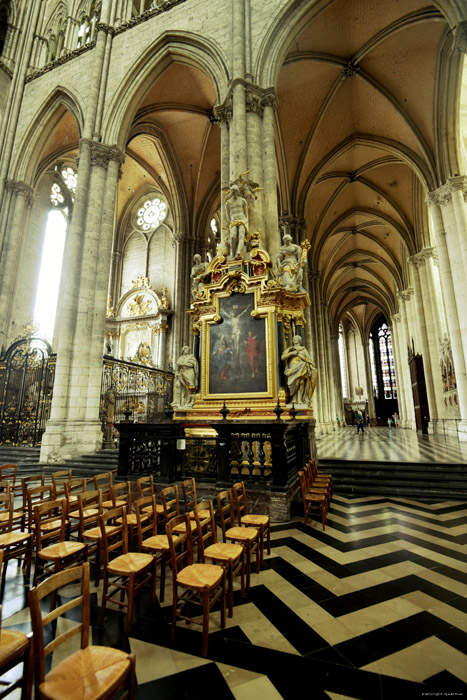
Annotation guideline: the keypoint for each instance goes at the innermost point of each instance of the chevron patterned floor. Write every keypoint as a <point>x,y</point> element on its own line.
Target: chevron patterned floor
<point>374,607</point>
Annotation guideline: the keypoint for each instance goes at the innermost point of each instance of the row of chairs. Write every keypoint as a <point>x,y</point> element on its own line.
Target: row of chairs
<point>316,490</point>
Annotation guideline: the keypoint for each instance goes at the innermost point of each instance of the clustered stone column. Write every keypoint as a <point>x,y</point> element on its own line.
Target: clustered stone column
<point>448,212</point>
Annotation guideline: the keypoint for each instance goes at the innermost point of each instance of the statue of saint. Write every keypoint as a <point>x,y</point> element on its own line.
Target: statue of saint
<point>300,372</point>
<point>186,379</point>
<point>110,398</point>
<point>289,264</point>
<point>237,213</point>
<point>198,272</point>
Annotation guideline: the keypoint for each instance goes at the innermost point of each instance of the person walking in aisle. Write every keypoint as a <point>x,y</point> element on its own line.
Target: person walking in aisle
<point>360,422</point>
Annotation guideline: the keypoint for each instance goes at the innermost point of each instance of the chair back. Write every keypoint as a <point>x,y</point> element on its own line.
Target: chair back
<point>115,542</point>
<point>35,496</point>
<point>120,495</point>
<point>5,486</point>
<point>170,503</point>
<point>226,510</point>
<point>145,486</point>
<point>49,586</point>
<point>50,523</point>
<point>180,546</point>
<point>75,487</point>
<point>88,503</point>
<point>189,494</point>
<point>9,471</point>
<point>104,481</point>
<point>58,480</point>
<point>6,511</point>
<point>28,482</point>
<point>239,493</point>
<point>206,528</point>
<point>303,486</point>
<point>146,521</point>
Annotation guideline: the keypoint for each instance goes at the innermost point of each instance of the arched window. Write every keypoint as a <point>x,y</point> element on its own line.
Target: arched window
<point>151,214</point>
<point>382,359</point>
<point>61,206</point>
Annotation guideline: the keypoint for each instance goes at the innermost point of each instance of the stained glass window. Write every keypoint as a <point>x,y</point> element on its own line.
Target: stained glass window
<point>151,214</point>
<point>374,377</point>
<point>387,362</point>
<point>70,178</point>
<point>56,196</point>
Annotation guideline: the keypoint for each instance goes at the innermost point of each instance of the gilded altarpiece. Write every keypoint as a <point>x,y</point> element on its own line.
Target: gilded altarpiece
<point>244,320</point>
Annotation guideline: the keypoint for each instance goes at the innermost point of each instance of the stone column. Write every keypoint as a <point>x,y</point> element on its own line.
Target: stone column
<point>22,197</point>
<point>238,138</point>
<point>368,378</point>
<point>107,161</point>
<point>254,117</point>
<point>438,200</point>
<point>404,343</point>
<point>339,399</point>
<point>270,181</point>
<point>417,262</point>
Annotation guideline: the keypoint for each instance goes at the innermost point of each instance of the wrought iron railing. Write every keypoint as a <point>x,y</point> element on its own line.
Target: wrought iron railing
<point>132,392</point>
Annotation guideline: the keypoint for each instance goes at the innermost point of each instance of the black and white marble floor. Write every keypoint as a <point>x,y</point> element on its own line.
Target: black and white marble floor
<point>390,445</point>
<point>374,607</point>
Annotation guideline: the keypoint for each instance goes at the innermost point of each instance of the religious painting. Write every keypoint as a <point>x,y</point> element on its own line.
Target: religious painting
<point>237,349</point>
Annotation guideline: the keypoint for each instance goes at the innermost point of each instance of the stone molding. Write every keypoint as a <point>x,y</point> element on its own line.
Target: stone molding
<point>163,6</point>
<point>430,254</point>
<point>59,61</point>
<point>21,188</point>
<point>314,274</point>
<point>5,68</point>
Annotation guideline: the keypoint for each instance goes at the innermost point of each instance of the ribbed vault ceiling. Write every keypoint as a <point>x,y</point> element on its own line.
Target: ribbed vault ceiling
<point>356,145</point>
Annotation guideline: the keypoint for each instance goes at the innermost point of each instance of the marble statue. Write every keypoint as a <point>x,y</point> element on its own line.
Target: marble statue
<point>289,264</point>
<point>186,379</point>
<point>198,272</point>
<point>237,214</point>
<point>300,372</point>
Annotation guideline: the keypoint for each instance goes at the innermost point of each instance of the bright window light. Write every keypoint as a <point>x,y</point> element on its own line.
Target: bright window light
<point>49,276</point>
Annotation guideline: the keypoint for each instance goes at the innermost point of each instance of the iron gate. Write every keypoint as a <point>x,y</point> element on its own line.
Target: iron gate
<point>27,373</point>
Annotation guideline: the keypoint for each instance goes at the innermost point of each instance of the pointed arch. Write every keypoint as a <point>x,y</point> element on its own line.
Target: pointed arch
<point>51,112</point>
<point>196,51</point>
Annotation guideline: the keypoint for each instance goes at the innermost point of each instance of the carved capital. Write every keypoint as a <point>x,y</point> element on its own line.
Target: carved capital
<point>224,111</point>
<point>459,183</point>
<point>405,294</point>
<point>396,318</point>
<point>418,260</point>
<point>101,27</point>
<point>441,197</point>
<point>21,189</point>
<point>254,100</point>
<point>101,155</point>
<point>461,37</point>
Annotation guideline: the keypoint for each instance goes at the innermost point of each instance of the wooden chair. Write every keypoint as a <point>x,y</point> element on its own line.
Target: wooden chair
<point>93,672</point>
<point>35,495</point>
<point>131,570</point>
<point>170,503</point>
<point>53,551</point>
<point>150,541</point>
<point>28,482</point>
<point>312,501</point>
<point>9,472</point>
<point>190,498</point>
<point>246,536</point>
<point>318,478</point>
<point>89,532</point>
<point>261,522</point>
<point>58,481</point>
<point>73,488</point>
<point>14,543</point>
<point>201,585</point>
<point>145,486</point>
<point>316,486</point>
<point>15,648</point>
<point>120,496</point>
<point>227,554</point>
<point>103,482</point>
